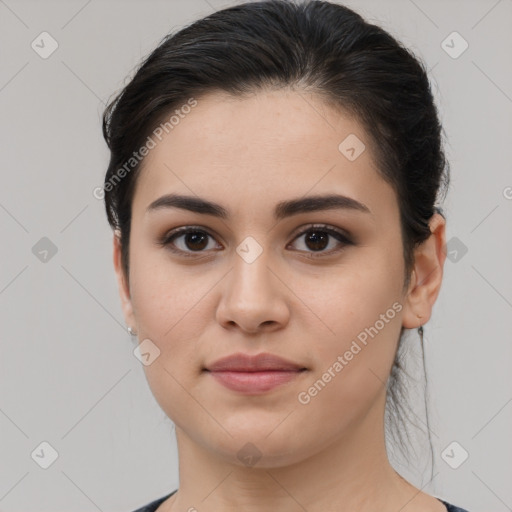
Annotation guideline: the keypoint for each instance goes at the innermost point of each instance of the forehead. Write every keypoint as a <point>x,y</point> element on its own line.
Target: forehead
<point>259,149</point>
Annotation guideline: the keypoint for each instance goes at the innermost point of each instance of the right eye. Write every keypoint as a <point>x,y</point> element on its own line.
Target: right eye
<point>190,240</point>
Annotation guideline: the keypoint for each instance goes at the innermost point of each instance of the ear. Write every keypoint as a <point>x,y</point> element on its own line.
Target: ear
<point>427,275</point>
<point>124,291</point>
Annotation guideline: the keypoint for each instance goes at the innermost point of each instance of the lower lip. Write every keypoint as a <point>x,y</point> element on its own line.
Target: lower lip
<point>254,382</point>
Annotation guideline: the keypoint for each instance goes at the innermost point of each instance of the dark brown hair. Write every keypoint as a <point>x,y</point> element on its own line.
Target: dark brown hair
<point>318,46</point>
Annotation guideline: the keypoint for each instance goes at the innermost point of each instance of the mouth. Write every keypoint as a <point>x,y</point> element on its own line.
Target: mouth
<point>252,375</point>
<point>254,382</point>
<point>241,362</point>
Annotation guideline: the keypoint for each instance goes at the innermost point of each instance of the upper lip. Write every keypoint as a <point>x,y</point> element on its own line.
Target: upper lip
<point>240,362</point>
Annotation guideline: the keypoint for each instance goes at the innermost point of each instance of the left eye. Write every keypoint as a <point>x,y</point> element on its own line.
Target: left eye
<point>318,237</point>
<point>195,240</point>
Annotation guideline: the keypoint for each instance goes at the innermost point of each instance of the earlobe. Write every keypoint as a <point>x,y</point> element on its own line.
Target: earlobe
<point>427,276</point>
<point>124,291</point>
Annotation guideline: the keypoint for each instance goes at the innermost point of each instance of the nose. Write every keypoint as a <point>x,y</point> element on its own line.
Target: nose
<point>253,297</point>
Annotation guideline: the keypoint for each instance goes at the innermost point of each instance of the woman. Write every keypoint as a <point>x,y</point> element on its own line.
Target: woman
<point>273,185</point>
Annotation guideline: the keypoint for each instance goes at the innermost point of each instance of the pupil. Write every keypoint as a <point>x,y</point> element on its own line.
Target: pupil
<point>319,240</point>
<point>194,238</point>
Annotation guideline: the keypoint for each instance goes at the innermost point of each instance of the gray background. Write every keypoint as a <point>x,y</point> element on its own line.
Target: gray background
<point>67,372</point>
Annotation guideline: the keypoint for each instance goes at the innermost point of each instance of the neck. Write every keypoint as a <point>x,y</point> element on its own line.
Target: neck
<point>351,472</point>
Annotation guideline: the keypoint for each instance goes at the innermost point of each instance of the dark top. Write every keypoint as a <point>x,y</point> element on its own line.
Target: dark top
<point>151,507</point>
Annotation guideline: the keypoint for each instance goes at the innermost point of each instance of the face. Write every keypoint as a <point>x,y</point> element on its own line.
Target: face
<point>320,287</point>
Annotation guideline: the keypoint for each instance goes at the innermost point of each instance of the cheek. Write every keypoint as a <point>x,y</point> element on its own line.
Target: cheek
<point>357,317</point>
<point>353,363</point>
<point>345,300</point>
<point>164,295</point>
<point>169,311</point>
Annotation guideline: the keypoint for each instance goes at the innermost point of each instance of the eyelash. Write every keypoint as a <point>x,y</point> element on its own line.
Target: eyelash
<point>167,240</point>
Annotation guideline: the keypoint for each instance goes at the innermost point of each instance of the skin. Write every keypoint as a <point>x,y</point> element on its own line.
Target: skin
<point>248,154</point>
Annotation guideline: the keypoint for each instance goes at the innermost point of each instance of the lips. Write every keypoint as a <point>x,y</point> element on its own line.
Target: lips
<point>259,363</point>
<point>253,375</point>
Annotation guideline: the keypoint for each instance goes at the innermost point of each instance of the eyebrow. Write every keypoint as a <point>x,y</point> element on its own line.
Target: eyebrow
<point>282,210</point>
